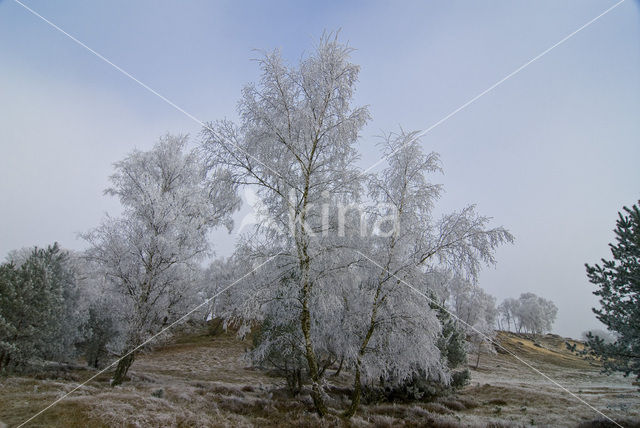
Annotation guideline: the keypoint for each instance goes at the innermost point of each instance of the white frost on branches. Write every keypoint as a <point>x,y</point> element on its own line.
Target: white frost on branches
<point>150,254</point>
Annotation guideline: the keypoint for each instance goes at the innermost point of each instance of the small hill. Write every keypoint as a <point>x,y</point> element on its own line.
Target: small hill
<point>548,348</point>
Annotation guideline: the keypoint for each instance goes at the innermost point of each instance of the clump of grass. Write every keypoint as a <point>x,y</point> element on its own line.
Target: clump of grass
<point>129,408</point>
<point>468,402</point>
<point>452,403</point>
<point>226,390</point>
<point>437,408</point>
<point>247,407</point>
<point>411,416</point>
<point>383,421</point>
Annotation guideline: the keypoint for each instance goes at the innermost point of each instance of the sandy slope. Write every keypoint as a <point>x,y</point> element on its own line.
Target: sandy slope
<point>527,397</point>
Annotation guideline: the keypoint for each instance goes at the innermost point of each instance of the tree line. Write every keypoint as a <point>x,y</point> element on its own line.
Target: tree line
<point>527,314</point>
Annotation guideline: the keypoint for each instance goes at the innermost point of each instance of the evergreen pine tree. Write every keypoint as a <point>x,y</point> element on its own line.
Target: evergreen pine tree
<point>618,282</point>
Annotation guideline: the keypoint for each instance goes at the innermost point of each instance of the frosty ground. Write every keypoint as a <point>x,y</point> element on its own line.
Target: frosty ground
<point>201,379</point>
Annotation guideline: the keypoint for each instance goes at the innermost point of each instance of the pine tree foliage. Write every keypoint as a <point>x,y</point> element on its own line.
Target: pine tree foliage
<point>618,282</point>
<point>39,316</point>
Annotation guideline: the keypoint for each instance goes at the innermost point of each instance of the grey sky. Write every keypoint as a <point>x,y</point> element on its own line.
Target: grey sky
<point>552,154</point>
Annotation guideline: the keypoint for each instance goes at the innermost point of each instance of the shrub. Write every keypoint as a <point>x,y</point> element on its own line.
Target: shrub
<point>99,331</point>
<point>38,308</point>
<point>287,359</point>
<point>460,378</point>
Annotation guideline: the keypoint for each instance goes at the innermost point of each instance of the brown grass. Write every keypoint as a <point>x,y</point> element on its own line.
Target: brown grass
<point>203,380</point>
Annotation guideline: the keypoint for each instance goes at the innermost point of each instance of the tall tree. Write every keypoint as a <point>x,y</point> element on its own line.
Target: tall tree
<point>295,146</point>
<point>618,282</point>
<point>150,253</point>
<point>415,242</point>
<point>334,289</point>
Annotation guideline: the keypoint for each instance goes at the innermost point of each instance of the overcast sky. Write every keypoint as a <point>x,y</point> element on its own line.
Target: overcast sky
<point>552,153</point>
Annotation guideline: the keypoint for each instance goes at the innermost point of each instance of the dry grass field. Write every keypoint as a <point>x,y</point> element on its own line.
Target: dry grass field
<point>200,380</point>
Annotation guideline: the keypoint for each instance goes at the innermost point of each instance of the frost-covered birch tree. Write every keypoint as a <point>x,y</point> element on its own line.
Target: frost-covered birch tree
<point>528,313</point>
<point>534,314</point>
<point>476,309</point>
<point>507,313</point>
<point>295,146</point>
<point>342,247</point>
<point>149,255</point>
<point>393,298</point>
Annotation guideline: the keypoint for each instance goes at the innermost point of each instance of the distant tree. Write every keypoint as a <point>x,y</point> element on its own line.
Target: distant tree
<point>220,273</point>
<point>39,318</point>
<point>618,282</point>
<point>535,314</point>
<point>507,312</point>
<point>528,313</point>
<point>476,309</point>
<point>150,255</point>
